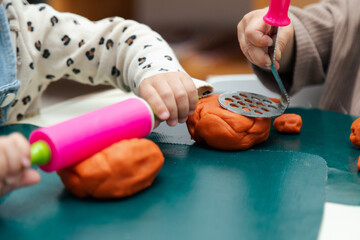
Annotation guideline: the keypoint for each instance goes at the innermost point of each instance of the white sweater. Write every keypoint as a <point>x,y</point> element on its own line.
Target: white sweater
<point>50,45</point>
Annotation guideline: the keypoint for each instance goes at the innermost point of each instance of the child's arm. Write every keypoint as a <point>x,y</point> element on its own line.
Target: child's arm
<point>15,163</point>
<point>114,51</point>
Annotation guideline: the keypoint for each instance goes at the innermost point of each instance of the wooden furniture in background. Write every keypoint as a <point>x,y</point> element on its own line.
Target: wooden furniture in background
<point>199,63</point>
<point>256,4</point>
<point>94,9</point>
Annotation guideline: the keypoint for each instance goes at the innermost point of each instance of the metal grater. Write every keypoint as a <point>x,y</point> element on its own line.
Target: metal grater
<point>256,105</point>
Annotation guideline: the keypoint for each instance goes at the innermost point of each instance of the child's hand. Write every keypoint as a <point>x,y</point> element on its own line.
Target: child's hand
<point>254,39</point>
<point>15,163</point>
<point>172,96</point>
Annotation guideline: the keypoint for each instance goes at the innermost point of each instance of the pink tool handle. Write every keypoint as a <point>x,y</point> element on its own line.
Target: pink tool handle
<point>277,14</point>
<point>81,137</point>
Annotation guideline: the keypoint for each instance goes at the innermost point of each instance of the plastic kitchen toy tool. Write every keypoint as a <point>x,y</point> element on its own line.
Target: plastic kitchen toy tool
<point>63,144</point>
<point>256,105</point>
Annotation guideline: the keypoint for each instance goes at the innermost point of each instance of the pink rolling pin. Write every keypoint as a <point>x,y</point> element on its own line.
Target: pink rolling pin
<point>69,142</point>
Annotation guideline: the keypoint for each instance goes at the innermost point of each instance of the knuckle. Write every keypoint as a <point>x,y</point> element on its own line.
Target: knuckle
<point>17,139</point>
<point>15,135</point>
<point>239,25</point>
<point>261,62</point>
<point>248,33</point>
<point>181,96</point>
<point>246,17</point>
<point>246,50</point>
<point>193,93</point>
<point>166,95</point>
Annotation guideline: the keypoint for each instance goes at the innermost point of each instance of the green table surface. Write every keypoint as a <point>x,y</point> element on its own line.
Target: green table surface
<point>275,190</point>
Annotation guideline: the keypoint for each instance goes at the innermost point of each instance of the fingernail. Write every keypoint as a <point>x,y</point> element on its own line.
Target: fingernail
<point>278,55</point>
<point>182,120</point>
<point>164,115</point>
<point>268,64</point>
<point>172,123</point>
<point>191,112</point>
<point>271,43</point>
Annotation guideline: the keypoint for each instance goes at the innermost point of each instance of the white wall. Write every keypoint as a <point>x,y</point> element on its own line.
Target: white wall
<point>224,14</point>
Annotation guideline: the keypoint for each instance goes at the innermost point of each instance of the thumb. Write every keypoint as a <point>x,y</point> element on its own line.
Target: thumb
<point>285,36</point>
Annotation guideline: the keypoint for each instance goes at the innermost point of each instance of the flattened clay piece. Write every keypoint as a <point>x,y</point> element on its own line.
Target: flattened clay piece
<point>275,100</point>
<point>355,132</point>
<point>223,129</point>
<point>120,170</point>
<point>288,123</point>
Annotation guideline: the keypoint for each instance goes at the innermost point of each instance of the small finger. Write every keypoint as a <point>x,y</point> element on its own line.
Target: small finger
<point>23,179</point>
<point>3,163</point>
<point>278,55</point>
<point>260,58</point>
<point>156,103</point>
<point>166,93</point>
<point>13,156</point>
<point>258,39</point>
<point>23,146</point>
<point>192,94</point>
<point>29,177</point>
<point>181,99</point>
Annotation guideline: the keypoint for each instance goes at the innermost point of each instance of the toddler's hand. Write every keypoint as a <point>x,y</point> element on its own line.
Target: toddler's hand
<point>15,171</point>
<point>254,39</point>
<point>172,96</point>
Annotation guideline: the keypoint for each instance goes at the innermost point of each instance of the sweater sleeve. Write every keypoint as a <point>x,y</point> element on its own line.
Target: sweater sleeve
<point>113,51</point>
<point>314,27</point>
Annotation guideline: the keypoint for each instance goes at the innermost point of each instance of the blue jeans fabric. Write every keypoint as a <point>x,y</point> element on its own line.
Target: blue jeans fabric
<point>8,82</point>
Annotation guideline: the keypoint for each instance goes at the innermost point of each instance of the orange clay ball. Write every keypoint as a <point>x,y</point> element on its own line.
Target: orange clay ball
<point>120,170</point>
<point>223,129</point>
<point>355,132</point>
<point>288,123</point>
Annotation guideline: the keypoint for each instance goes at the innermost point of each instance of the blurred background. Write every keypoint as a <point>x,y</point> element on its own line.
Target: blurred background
<point>202,32</point>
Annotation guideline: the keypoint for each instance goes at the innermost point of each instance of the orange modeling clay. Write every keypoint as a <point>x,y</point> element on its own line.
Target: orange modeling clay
<point>120,170</point>
<point>223,129</point>
<point>288,123</point>
<point>275,100</point>
<point>355,132</point>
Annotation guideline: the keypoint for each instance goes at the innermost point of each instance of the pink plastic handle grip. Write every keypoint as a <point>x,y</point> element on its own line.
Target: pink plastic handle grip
<point>277,14</point>
<point>79,138</point>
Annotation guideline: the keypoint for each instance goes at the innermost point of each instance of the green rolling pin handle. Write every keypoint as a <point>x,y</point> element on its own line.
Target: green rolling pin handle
<point>40,153</point>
